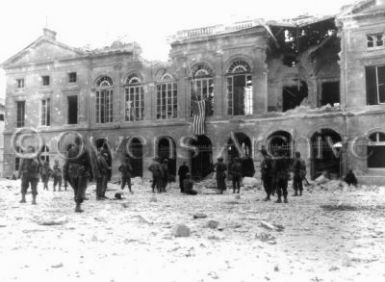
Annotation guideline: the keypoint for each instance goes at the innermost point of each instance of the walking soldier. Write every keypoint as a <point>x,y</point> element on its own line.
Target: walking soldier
<point>29,174</point>
<point>126,173</point>
<point>220,169</point>
<point>77,171</point>
<point>267,174</point>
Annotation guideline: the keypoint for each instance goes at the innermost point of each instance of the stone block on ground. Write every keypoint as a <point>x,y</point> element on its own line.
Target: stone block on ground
<point>181,230</point>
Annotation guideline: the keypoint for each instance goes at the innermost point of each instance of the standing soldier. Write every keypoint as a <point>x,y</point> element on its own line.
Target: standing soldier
<point>156,171</point>
<point>267,173</point>
<point>101,175</point>
<point>77,171</point>
<point>236,174</point>
<point>45,173</point>
<point>220,169</point>
<point>164,167</point>
<point>57,175</point>
<point>247,166</point>
<point>299,171</point>
<point>126,173</point>
<point>182,172</point>
<point>281,172</point>
<point>29,174</point>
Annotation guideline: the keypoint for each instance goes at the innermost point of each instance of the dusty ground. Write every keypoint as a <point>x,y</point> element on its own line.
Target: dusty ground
<point>131,240</point>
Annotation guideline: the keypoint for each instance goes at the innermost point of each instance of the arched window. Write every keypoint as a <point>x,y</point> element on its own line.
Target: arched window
<point>134,100</point>
<point>202,87</point>
<point>104,100</point>
<point>166,98</point>
<point>376,150</point>
<point>239,89</point>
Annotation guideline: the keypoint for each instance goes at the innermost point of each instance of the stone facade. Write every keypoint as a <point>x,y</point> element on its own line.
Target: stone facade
<point>311,60</point>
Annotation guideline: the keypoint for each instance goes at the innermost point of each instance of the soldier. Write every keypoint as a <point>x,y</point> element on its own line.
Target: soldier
<point>220,169</point>
<point>188,185</point>
<point>57,176</point>
<point>164,167</point>
<point>299,173</point>
<point>45,173</point>
<point>126,173</point>
<point>247,166</point>
<point>101,175</point>
<point>29,174</point>
<point>156,171</point>
<point>236,174</point>
<point>182,172</point>
<point>281,172</point>
<point>267,173</point>
<point>77,171</point>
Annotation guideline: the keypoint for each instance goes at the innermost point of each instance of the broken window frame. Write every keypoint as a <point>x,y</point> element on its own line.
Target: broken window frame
<point>166,98</point>
<point>375,40</point>
<point>20,114</point>
<point>134,95</point>
<point>104,100</point>
<point>45,112</point>
<point>202,87</point>
<point>239,68</point>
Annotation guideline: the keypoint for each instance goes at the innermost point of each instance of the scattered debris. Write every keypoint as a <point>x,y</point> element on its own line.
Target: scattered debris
<point>265,237</point>
<point>274,227</point>
<point>59,265</point>
<point>49,221</point>
<point>181,230</point>
<point>199,216</point>
<point>213,224</point>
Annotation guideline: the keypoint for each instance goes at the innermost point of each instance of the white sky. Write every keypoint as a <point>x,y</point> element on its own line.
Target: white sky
<point>149,22</point>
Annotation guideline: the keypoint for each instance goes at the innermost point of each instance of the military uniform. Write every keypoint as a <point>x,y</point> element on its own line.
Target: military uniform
<point>299,173</point>
<point>267,175</point>
<point>29,173</point>
<point>102,176</point>
<point>126,174</point>
<point>77,171</point>
<point>281,171</point>
<point>182,172</point>
<point>57,177</point>
<point>236,175</point>
<point>156,171</point>
<point>220,169</point>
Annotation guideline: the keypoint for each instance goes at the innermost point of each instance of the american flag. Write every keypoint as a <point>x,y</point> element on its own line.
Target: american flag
<point>199,110</point>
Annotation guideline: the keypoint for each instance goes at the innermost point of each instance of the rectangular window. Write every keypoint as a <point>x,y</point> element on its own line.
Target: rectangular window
<point>375,85</point>
<point>166,103</point>
<point>330,93</point>
<point>134,103</point>
<point>1,117</point>
<point>45,80</point>
<point>104,106</point>
<point>20,113</point>
<point>72,103</point>
<point>203,89</point>
<point>72,77</point>
<point>46,112</point>
<point>20,83</point>
<point>375,40</point>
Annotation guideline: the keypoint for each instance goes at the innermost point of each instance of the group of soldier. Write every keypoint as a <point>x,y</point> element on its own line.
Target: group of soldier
<point>83,164</point>
<point>275,174</point>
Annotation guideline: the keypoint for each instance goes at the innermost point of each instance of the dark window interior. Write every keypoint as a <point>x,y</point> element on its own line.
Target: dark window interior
<point>72,77</point>
<point>72,109</point>
<point>330,93</point>
<point>293,95</point>
<point>45,80</point>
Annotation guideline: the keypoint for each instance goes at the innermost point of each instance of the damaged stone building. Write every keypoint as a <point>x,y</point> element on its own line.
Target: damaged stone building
<point>309,84</point>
